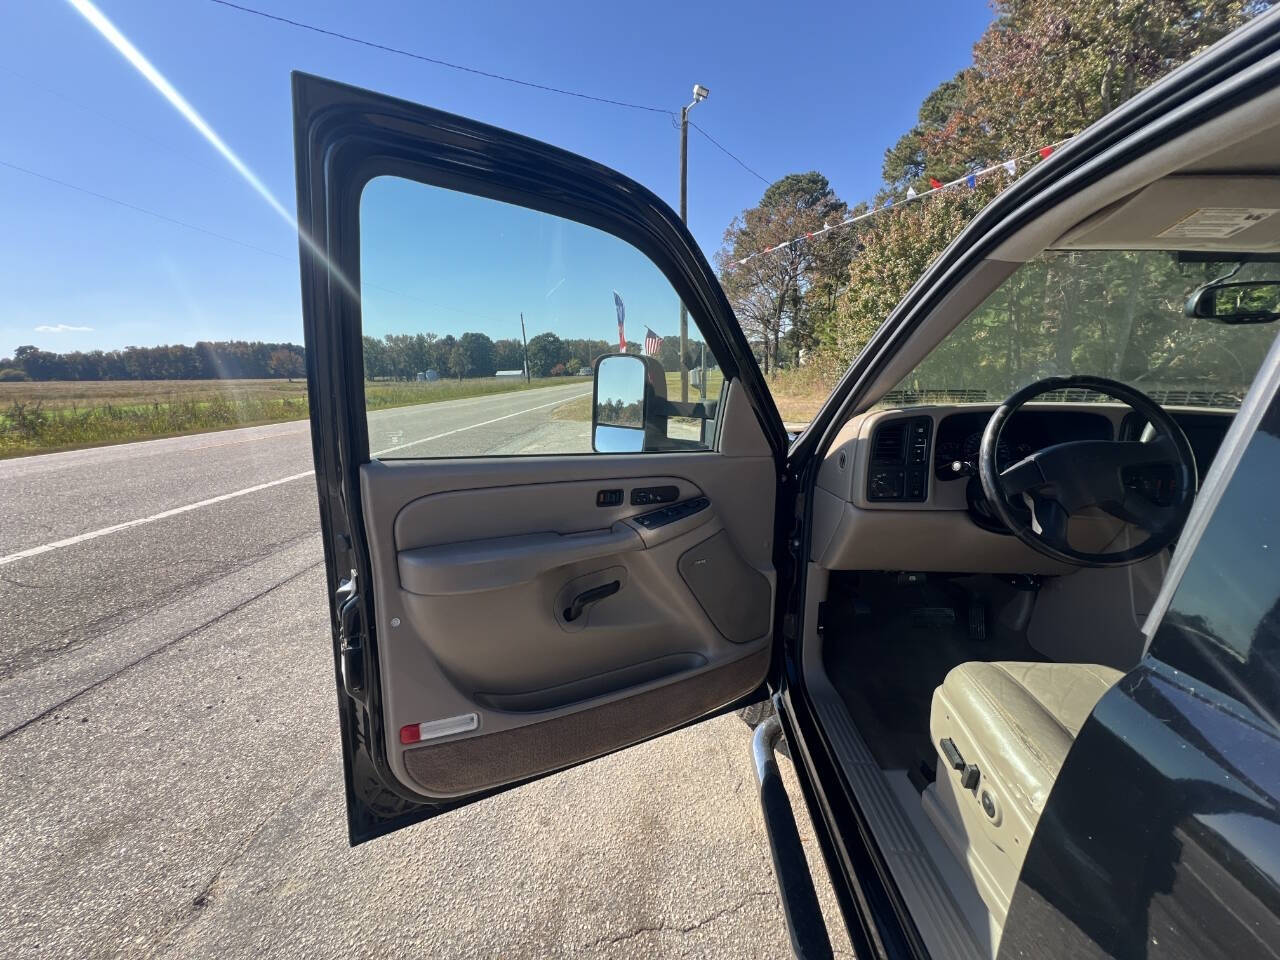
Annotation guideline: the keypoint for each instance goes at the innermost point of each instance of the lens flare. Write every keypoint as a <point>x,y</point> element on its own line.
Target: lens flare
<point>98,20</point>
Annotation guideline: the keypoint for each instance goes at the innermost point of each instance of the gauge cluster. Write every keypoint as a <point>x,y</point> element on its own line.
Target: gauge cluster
<point>955,453</point>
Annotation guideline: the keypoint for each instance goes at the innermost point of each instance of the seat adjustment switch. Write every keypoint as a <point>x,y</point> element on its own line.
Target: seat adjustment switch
<point>952,754</point>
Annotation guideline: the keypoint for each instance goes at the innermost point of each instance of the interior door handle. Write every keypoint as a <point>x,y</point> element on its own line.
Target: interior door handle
<point>574,610</point>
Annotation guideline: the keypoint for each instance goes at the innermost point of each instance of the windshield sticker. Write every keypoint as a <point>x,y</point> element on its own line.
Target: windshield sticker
<point>1214,223</point>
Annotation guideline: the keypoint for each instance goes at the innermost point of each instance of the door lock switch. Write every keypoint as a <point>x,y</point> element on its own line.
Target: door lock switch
<point>643,496</point>
<point>609,498</point>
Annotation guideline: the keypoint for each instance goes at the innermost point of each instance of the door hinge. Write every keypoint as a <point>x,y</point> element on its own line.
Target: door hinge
<point>350,638</point>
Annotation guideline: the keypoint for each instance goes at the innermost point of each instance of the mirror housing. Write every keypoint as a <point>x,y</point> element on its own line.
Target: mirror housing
<point>1236,302</point>
<point>628,404</point>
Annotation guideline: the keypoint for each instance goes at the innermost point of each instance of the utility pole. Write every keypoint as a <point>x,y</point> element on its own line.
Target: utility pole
<point>699,94</point>
<point>525,337</point>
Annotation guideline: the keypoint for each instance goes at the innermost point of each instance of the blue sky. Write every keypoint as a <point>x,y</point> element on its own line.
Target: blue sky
<point>793,87</point>
<point>489,261</point>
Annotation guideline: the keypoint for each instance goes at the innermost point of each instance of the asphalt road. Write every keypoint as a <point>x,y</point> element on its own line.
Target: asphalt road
<point>169,751</point>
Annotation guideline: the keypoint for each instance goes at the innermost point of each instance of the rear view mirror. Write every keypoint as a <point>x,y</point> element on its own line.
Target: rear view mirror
<point>619,407</point>
<point>1243,301</point>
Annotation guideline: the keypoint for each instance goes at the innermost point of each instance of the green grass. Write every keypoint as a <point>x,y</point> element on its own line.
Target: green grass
<point>61,415</point>
<point>64,415</point>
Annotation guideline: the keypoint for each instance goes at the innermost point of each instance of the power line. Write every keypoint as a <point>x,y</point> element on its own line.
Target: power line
<point>438,62</point>
<point>220,236</point>
<point>138,209</point>
<point>727,152</point>
<point>385,48</point>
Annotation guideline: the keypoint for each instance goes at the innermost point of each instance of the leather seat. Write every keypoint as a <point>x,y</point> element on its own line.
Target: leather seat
<point>1014,723</point>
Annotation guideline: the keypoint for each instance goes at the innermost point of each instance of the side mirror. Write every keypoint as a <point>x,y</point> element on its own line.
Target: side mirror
<point>1239,302</point>
<point>625,406</point>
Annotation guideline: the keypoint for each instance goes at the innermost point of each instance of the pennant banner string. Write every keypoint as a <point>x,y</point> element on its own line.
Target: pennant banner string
<point>970,180</point>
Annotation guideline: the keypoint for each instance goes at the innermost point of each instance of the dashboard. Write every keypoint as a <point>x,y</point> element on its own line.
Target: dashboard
<point>903,448</point>
<point>898,488</point>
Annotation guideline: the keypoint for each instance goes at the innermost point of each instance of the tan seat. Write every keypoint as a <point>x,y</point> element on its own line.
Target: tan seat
<point>1015,723</point>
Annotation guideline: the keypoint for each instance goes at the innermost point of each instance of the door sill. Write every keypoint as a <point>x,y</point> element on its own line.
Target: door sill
<point>939,918</point>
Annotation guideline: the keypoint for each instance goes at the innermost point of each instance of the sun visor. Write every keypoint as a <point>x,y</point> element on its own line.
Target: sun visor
<point>1228,213</point>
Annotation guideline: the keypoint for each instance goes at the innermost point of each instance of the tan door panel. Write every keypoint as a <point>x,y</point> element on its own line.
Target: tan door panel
<point>477,566</point>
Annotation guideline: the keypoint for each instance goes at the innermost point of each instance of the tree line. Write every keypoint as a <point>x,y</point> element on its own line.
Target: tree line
<point>396,356</point>
<point>206,360</point>
<point>402,356</point>
<point>1040,73</point>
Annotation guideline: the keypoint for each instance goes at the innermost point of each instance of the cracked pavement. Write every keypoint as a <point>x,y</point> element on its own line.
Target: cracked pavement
<point>168,742</point>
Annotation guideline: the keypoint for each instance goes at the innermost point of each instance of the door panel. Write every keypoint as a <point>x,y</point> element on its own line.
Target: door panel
<point>476,568</point>
<point>496,618</point>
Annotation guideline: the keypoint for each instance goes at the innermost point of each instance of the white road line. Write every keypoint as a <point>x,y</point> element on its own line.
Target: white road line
<point>94,534</point>
<point>222,498</point>
<point>449,433</point>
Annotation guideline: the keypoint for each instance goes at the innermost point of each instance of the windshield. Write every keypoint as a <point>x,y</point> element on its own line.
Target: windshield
<point>1111,313</point>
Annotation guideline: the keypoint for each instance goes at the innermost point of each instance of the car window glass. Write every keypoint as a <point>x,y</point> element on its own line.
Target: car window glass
<point>1223,622</point>
<point>482,322</point>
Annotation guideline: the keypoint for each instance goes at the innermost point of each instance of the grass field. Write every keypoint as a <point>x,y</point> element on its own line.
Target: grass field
<point>63,415</point>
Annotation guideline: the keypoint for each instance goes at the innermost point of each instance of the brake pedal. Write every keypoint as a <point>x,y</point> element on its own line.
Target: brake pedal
<point>977,619</point>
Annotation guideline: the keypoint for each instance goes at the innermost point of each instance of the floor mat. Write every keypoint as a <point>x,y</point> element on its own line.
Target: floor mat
<point>886,657</point>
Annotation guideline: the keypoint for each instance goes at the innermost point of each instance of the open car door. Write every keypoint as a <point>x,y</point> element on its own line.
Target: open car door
<point>508,600</point>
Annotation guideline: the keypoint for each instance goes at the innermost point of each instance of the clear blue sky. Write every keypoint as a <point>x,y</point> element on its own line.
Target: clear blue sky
<point>433,260</point>
<point>793,88</point>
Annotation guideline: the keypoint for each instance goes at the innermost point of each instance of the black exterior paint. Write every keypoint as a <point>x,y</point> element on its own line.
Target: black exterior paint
<point>1161,838</point>
<point>343,138</point>
<point>1079,897</point>
<point>1232,72</point>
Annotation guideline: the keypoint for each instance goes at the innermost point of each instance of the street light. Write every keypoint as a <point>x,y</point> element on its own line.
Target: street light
<point>699,94</point>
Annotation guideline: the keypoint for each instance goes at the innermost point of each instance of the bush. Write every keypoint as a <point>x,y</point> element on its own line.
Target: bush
<point>12,375</point>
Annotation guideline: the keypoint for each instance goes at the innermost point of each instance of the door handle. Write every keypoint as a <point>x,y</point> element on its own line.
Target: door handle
<point>574,610</point>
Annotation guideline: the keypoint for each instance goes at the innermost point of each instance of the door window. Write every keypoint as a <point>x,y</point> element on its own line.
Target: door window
<point>482,323</point>
<point>1223,621</point>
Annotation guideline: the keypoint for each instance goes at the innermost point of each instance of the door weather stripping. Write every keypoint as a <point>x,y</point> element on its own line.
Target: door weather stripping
<point>800,907</point>
<point>350,638</point>
<point>435,729</point>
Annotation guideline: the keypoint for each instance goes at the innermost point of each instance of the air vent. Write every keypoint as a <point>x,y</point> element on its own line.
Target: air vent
<point>889,443</point>
<point>899,460</point>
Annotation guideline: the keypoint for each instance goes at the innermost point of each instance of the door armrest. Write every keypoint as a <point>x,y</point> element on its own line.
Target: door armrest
<point>475,565</point>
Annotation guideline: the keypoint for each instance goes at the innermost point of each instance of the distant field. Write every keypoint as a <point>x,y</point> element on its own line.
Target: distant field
<point>63,415</point>
<point>798,394</point>
<point>68,394</point>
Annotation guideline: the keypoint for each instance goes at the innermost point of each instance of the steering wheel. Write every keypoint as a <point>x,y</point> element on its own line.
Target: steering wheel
<point>1061,480</point>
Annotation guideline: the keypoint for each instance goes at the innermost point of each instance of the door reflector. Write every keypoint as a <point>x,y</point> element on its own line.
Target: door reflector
<point>434,729</point>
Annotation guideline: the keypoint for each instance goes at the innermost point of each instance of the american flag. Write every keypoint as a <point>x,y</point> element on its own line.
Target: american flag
<point>652,343</point>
